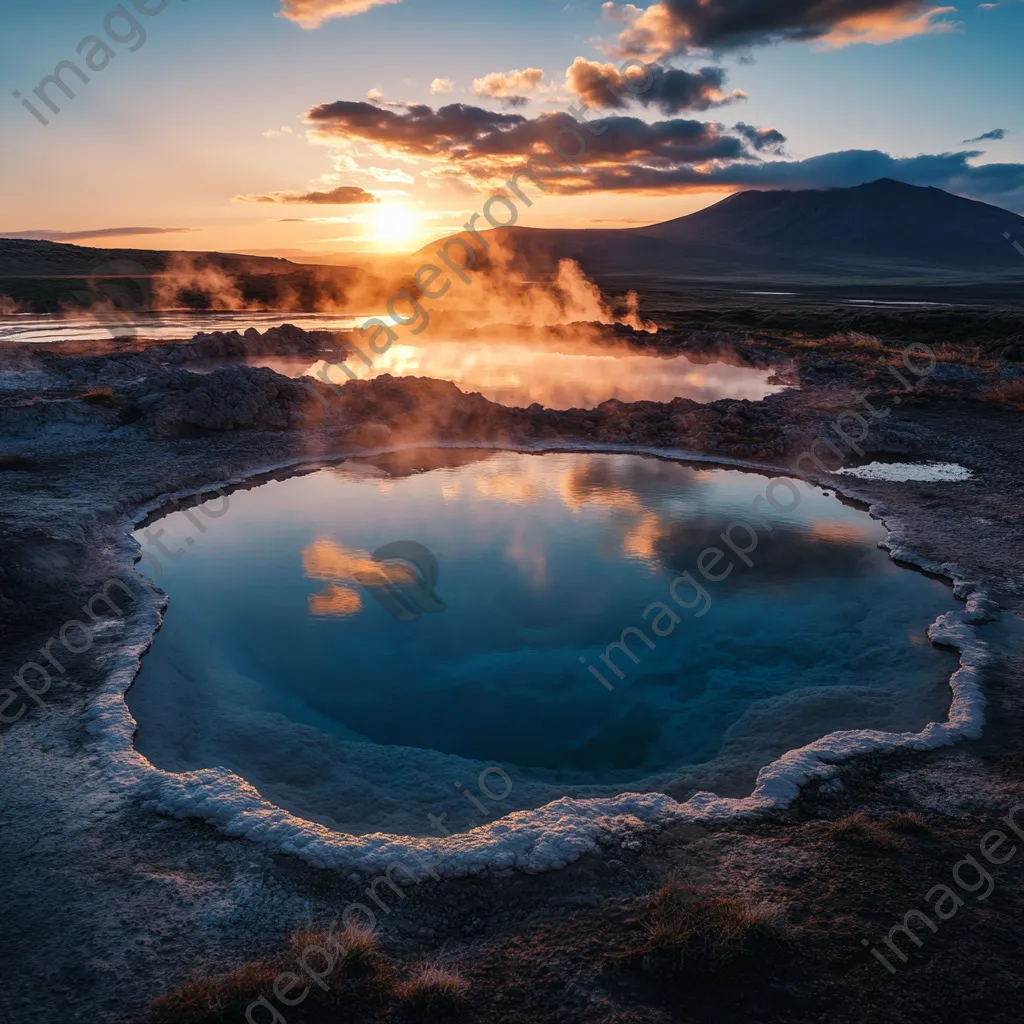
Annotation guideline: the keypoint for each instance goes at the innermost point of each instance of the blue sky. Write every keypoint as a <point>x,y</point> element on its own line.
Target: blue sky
<point>168,136</point>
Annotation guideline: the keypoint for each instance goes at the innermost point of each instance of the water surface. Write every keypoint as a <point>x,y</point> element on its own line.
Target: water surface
<point>278,661</point>
<point>165,326</point>
<point>519,374</point>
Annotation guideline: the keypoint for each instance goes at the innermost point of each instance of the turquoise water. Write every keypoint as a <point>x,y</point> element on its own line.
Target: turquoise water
<point>278,660</point>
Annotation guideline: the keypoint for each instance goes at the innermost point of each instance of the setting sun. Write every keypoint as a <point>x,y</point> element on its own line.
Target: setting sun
<point>393,224</point>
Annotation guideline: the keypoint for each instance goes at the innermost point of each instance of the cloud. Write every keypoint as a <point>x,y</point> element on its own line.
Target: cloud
<point>480,146</point>
<point>441,85</point>
<point>482,149</point>
<point>678,26</point>
<point>343,195</point>
<point>949,171</point>
<point>762,139</point>
<point>509,85</point>
<point>996,135</point>
<point>78,236</point>
<point>313,13</point>
<point>603,86</point>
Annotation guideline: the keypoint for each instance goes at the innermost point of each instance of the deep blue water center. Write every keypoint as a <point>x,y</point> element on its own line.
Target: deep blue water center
<point>278,660</point>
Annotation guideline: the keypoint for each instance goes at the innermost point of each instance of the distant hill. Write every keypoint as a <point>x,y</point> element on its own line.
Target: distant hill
<point>46,276</point>
<point>882,230</point>
<point>21,257</point>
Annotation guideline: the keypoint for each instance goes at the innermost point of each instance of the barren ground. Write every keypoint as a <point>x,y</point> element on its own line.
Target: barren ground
<point>106,905</point>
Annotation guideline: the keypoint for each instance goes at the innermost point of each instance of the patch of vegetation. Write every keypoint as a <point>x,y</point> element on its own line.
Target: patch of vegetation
<point>1010,394</point>
<point>855,340</point>
<point>212,1000</point>
<point>960,326</point>
<point>344,972</point>
<point>432,989</point>
<point>863,830</point>
<point>353,946</point>
<point>102,397</point>
<point>691,931</point>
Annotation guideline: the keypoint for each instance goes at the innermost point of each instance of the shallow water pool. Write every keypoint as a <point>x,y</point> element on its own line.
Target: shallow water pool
<point>367,686</point>
<point>519,374</point>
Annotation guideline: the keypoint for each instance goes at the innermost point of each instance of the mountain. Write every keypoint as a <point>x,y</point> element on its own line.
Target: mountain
<point>881,230</point>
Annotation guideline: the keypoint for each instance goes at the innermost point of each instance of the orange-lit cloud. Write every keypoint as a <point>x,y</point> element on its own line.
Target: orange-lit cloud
<point>512,88</point>
<point>673,27</point>
<point>313,13</point>
<point>910,19</point>
<point>509,84</point>
<point>605,87</point>
<point>343,195</point>
<point>482,149</point>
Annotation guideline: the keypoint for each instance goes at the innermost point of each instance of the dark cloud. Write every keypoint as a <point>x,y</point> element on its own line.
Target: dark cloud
<point>996,135</point>
<point>762,139</point>
<point>343,195</point>
<point>478,142</point>
<point>482,149</point>
<point>676,26</point>
<point>1002,183</point>
<point>79,236</point>
<point>673,90</point>
<point>416,129</point>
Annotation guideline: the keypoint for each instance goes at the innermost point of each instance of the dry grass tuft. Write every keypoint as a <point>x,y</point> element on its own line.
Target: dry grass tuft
<point>208,1000</point>
<point>692,931</point>
<point>100,396</point>
<point>358,946</point>
<point>862,829</point>
<point>1010,394</point>
<point>431,989</point>
<point>855,340</point>
<point>910,822</point>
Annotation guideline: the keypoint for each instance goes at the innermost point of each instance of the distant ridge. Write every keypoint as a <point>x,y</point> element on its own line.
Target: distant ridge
<point>885,229</point>
<point>23,257</point>
<point>44,277</point>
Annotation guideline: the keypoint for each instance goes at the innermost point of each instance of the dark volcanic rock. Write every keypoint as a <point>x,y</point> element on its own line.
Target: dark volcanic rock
<point>284,340</point>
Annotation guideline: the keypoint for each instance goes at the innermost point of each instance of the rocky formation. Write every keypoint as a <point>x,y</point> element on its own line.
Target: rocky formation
<point>119,364</point>
<point>285,340</point>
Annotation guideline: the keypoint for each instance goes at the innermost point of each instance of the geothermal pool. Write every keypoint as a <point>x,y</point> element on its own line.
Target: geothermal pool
<point>367,692</point>
<point>175,325</point>
<point>519,374</point>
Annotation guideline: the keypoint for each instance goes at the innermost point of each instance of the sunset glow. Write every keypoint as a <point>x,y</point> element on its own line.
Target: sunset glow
<point>402,151</point>
<point>393,225</point>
